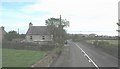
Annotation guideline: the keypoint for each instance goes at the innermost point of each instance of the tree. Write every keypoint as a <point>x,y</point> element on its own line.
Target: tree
<point>76,37</point>
<point>21,35</point>
<point>56,22</point>
<point>11,35</point>
<point>56,28</point>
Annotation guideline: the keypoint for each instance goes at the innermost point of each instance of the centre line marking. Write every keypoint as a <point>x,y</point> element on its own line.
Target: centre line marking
<point>87,56</point>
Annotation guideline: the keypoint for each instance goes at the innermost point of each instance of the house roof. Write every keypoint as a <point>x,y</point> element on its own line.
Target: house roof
<point>38,30</point>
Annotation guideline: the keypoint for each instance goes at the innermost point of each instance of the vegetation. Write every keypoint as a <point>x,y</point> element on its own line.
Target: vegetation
<point>13,35</point>
<point>108,42</point>
<point>28,46</point>
<point>20,58</point>
<point>26,54</point>
<point>77,38</point>
<point>58,50</point>
<point>109,46</point>
<point>56,28</point>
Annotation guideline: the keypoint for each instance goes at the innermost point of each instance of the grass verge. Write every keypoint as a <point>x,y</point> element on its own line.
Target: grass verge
<point>20,58</point>
<point>113,42</point>
<point>109,46</point>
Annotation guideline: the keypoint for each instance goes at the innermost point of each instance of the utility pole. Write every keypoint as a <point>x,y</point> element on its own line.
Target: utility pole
<point>60,19</point>
<point>61,26</point>
<point>18,30</point>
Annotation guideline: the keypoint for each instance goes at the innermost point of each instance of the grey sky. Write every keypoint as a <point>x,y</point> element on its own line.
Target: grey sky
<point>85,16</point>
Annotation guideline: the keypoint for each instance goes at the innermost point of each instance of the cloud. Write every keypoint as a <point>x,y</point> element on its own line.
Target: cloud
<point>18,0</point>
<point>82,14</point>
<point>68,6</point>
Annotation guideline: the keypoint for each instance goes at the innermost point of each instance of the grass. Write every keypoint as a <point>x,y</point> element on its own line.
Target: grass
<point>109,46</point>
<point>114,42</point>
<point>57,50</point>
<point>20,58</point>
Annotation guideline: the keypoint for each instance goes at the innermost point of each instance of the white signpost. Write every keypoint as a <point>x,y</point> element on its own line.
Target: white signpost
<point>0,47</point>
<point>119,18</point>
<point>119,10</point>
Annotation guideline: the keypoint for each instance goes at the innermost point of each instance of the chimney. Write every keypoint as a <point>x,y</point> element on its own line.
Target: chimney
<point>30,24</point>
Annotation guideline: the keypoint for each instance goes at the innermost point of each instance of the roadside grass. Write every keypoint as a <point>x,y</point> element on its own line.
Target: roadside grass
<point>58,50</point>
<point>113,42</point>
<point>109,46</point>
<point>20,58</point>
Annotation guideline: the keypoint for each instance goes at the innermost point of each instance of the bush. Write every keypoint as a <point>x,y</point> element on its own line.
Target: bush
<point>27,46</point>
<point>101,43</point>
<point>58,50</point>
<point>47,47</point>
<point>76,38</point>
<point>95,43</point>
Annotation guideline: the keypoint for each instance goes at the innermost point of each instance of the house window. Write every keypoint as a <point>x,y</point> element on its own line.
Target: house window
<point>43,37</point>
<point>31,37</point>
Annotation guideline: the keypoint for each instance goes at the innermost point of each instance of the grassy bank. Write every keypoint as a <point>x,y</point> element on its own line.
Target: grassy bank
<point>109,46</point>
<point>113,42</point>
<point>20,58</point>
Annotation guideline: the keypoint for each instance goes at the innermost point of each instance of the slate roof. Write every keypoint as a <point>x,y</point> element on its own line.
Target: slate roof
<point>38,30</point>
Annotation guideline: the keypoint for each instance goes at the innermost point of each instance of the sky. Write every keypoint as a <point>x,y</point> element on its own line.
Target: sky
<point>85,16</point>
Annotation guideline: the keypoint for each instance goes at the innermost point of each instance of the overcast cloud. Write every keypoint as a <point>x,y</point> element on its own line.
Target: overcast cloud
<point>85,16</point>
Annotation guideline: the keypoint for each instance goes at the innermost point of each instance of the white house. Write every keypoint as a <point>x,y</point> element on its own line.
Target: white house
<point>39,34</point>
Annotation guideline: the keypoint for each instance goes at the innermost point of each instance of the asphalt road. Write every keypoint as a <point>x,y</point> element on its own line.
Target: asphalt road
<point>80,55</point>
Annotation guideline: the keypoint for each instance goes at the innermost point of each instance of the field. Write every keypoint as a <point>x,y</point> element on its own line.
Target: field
<point>109,46</point>
<point>113,42</point>
<point>20,58</point>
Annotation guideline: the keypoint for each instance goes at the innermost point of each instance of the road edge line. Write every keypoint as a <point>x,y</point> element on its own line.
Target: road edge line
<point>87,56</point>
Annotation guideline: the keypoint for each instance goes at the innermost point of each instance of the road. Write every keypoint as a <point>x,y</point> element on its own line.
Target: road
<point>80,55</point>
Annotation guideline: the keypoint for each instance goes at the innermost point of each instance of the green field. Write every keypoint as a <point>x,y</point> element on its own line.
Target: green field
<point>114,42</point>
<point>108,46</point>
<point>20,58</point>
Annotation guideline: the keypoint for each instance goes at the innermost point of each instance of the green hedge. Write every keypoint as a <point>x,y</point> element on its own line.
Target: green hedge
<point>28,46</point>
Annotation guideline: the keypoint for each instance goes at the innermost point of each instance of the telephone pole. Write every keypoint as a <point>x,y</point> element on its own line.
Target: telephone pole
<point>60,19</point>
<point>18,30</point>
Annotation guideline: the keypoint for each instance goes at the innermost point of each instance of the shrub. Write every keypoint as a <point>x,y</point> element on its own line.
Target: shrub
<point>95,43</point>
<point>101,43</point>
<point>27,46</point>
<point>58,50</point>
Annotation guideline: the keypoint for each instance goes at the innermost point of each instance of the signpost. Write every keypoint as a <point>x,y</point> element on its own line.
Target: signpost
<point>118,18</point>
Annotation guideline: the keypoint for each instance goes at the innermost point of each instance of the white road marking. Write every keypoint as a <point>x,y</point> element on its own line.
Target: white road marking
<point>85,54</point>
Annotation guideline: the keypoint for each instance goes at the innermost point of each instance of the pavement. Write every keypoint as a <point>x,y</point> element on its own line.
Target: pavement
<point>76,54</point>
